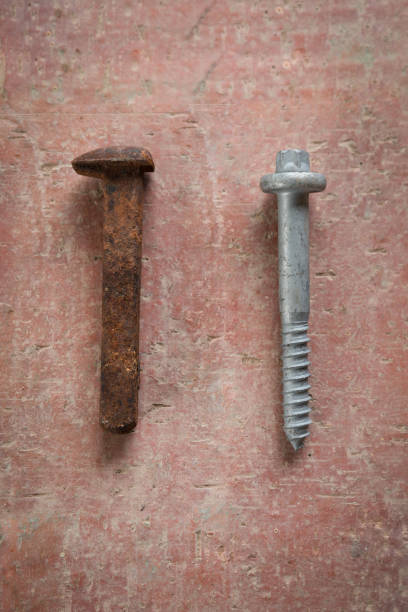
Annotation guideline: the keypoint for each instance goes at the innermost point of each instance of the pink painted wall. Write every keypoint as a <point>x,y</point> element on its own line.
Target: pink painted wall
<point>204,507</point>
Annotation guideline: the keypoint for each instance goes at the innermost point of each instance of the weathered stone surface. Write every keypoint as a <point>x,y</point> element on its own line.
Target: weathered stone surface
<point>204,506</point>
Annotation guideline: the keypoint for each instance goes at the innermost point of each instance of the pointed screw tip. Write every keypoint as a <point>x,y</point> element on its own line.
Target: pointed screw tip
<point>297,443</point>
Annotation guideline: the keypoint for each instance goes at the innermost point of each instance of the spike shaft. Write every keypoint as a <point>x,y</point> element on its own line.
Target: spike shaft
<point>122,252</point>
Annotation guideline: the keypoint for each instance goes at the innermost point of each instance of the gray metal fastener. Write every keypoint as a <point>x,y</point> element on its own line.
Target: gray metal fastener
<point>292,183</point>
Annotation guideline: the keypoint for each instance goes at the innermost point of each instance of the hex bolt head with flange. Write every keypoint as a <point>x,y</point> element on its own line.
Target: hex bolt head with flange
<point>292,182</point>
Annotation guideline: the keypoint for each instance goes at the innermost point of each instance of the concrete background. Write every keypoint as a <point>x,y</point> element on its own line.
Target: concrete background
<point>204,507</point>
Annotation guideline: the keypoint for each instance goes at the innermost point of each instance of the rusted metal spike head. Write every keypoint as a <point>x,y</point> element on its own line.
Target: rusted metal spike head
<point>113,161</point>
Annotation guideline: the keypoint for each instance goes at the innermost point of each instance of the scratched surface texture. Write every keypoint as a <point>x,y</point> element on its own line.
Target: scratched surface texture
<point>204,507</point>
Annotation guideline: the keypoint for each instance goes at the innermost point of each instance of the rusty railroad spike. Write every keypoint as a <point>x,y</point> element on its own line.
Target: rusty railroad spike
<point>121,170</point>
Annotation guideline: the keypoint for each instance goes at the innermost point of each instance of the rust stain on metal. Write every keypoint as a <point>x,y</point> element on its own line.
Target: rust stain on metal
<point>121,171</point>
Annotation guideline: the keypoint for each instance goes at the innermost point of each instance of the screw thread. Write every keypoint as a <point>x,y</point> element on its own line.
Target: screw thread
<point>295,382</point>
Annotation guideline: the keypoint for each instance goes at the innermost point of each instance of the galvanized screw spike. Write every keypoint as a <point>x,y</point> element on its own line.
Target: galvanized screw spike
<point>121,171</point>
<point>292,183</point>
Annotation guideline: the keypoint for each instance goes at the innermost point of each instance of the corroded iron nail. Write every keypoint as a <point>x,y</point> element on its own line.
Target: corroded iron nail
<point>292,182</point>
<point>121,170</point>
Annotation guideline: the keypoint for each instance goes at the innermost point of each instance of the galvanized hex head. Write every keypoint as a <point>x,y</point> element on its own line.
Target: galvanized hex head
<point>292,160</point>
<point>293,174</point>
